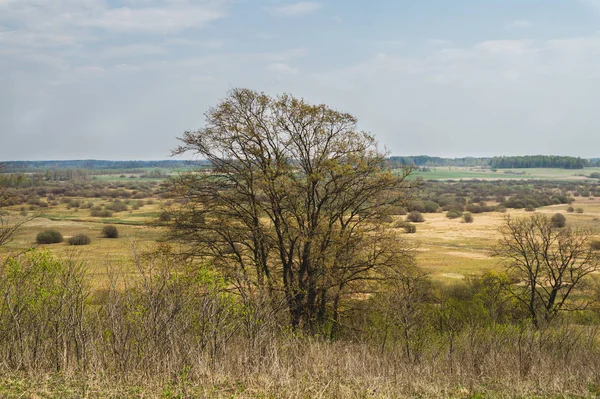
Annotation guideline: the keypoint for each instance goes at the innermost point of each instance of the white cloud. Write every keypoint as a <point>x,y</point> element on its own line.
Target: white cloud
<point>152,20</point>
<point>296,9</point>
<point>519,23</point>
<point>283,69</point>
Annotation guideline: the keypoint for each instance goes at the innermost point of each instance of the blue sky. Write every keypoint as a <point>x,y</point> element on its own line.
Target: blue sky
<point>121,79</point>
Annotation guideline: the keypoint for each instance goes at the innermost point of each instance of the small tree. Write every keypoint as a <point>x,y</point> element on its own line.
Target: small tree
<point>467,217</point>
<point>558,220</point>
<point>548,264</point>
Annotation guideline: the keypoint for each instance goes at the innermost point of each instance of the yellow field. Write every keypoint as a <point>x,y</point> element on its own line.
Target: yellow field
<point>447,249</point>
<point>451,249</point>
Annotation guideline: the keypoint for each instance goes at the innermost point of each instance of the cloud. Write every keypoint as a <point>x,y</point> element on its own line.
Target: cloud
<point>283,69</point>
<point>519,23</point>
<point>153,21</point>
<point>296,9</point>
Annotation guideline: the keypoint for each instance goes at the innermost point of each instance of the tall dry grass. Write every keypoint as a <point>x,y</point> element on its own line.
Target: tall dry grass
<point>177,332</point>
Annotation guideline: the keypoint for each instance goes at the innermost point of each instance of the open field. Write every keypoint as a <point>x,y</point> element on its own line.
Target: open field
<point>446,248</point>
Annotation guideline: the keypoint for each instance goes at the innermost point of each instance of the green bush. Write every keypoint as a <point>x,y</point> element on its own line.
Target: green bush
<point>579,210</point>
<point>452,214</point>
<point>570,209</point>
<point>79,239</point>
<point>110,232</point>
<point>49,237</point>
<point>467,217</point>
<point>415,217</point>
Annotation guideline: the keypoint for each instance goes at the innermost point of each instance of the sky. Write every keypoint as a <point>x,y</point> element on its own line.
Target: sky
<point>122,79</point>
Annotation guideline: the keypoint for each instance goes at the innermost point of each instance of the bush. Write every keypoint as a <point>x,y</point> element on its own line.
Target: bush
<point>452,214</point>
<point>558,220</point>
<point>110,232</point>
<point>415,217</point>
<point>410,228</point>
<point>579,210</point>
<point>101,214</point>
<point>467,217</point>
<point>49,237</point>
<point>79,239</point>
<point>570,209</point>
<point>595,245</point>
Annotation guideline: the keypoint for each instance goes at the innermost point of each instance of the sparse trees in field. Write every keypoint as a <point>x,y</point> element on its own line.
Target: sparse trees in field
<point>294,203</point>
<point>548,264</point>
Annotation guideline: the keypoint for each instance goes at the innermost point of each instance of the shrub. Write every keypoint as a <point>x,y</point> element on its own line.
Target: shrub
<point>558,220</point>
<point>43,204</point>
<point>117,206</point>
<point>529,208</point>
<point>579,210</point>
<point>415,217</point>
<point>410,228</point>
<point>101,213</point>
<point>595,245</point>
<point>467,217</point>
<point>570,209</point>
<point>452,215</point>
<point>110,232</point>
<point>49,237</point>
<point>79,239</point>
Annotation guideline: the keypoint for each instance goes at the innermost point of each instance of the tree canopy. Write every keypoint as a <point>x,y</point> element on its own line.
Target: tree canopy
<point>294,204</point>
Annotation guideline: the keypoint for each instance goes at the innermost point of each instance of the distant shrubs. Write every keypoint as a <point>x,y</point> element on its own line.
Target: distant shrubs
<point>453,214</point>
<point>110,232</point>
<point>117,206</point>
<point>79,239</point>
<point>595,245</point>
<point>570,209</point>
<point>578,210</point>
<point>558,220</point>
<point>467,217</point>
<point>415,217</point>
<point>101,213</point>
<point>410,228</point>
<point>49,237</point>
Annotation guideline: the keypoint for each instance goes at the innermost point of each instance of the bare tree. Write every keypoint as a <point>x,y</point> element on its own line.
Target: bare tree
<point>548,263</point>
<point>293,203</point>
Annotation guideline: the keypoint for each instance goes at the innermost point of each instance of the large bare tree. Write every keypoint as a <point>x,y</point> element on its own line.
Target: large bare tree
<point>293,204</point>
<point>548,263</point>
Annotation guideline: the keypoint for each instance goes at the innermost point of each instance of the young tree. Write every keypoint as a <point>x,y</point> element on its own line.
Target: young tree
<point>548,263</point>
<point>293,204</point>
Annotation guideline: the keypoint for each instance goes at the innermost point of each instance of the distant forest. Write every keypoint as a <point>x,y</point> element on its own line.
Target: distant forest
<point>527,161</point>
<point>504,162</point>
<point>91,164</point>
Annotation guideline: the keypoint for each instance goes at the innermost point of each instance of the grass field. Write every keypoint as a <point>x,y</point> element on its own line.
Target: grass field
<point>446,248</point>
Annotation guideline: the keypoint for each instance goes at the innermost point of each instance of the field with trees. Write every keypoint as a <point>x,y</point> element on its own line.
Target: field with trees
<point>297,260</point>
